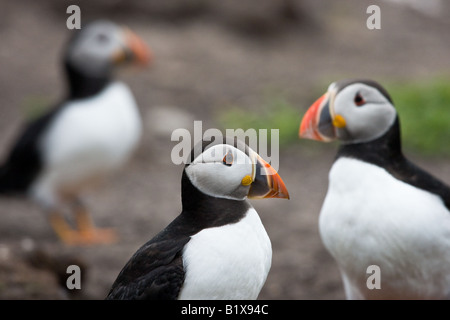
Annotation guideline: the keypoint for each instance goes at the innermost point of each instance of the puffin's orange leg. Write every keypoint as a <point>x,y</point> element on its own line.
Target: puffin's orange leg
<point>88,234</point>
<point>62,228</point>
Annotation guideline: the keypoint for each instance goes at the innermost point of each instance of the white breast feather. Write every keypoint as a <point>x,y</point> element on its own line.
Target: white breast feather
<point>89,137</point>
<point>227,262</point>
<point>369,217</point>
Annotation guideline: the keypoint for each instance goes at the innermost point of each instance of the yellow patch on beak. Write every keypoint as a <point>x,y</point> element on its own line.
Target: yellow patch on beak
<point>339,121</point>
<point>119,56</point>
<point>247,180</point>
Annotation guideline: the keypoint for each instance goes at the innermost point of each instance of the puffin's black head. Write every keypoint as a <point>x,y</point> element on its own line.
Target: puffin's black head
<point>99,47</point>
<point>229,169</point>
<point>353,111</point>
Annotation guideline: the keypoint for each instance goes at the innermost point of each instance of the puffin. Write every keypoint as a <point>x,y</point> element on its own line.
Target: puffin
<point>217,247</point>
<point>88,135</point>
<point>384,220</point>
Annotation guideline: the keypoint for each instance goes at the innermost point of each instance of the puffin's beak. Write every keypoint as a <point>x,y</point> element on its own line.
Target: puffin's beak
<point>135,50</point>
<point>266,182</point>
<point>318,122</point>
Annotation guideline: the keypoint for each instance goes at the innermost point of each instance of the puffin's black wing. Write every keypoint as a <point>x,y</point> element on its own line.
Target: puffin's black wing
<point>155,272</point>
<point>25,160</point>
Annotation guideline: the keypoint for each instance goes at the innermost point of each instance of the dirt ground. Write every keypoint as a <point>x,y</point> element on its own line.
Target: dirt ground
<point>207,56</point>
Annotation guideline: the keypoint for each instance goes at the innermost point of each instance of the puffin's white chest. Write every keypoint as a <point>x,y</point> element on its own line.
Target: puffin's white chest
<point>227,262</point>
<point>371,218</point>
<point>89,137</point>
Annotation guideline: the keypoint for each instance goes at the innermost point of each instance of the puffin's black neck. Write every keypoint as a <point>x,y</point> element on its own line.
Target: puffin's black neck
<point>381,151</point>
<point>208,211</point>
<point>83,86</point>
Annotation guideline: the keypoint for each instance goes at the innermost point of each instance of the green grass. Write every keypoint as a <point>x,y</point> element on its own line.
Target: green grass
<point>275,113</point>
<point>424,111</point>
<point>423,107</point>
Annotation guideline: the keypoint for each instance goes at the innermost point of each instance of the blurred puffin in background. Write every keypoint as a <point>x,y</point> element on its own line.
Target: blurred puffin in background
<point>217,248</point>
<point>380,208</point>
<point>91,133</point>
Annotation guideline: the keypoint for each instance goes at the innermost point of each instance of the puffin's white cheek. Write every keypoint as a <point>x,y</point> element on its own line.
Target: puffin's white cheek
<point>367,123</point>
<point>202,177</point>
<point>362,129</point>
<point>218,180</point>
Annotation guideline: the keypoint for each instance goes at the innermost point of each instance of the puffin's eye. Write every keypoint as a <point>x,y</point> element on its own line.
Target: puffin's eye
<point>228,159</point>
<point>102,38</point>
<point>359,100</point>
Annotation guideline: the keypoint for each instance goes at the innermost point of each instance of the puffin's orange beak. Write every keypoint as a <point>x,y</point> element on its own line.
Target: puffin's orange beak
<point>135,49</point>
<point>317,122</point>
<point>267,183</point>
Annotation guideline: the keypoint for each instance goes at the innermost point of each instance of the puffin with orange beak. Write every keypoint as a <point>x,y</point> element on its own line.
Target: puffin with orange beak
<point>382,213</point>
<point>88,135</point>
<point>217,248</point>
